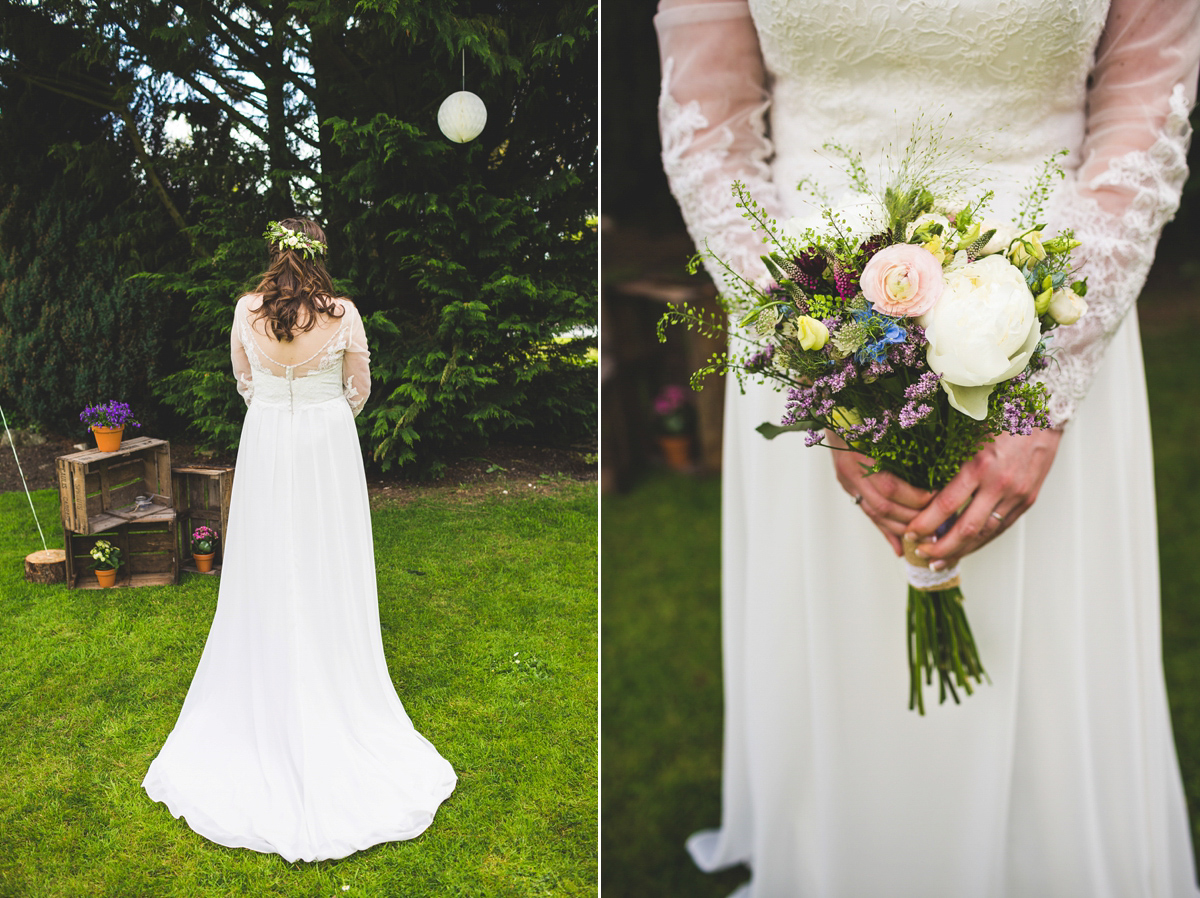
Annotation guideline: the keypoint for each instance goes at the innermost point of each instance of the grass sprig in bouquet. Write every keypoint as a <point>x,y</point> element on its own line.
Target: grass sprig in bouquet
<point>911,325</point>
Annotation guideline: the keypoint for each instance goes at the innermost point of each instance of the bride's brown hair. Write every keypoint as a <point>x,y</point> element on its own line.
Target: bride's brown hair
<point>293,284</point>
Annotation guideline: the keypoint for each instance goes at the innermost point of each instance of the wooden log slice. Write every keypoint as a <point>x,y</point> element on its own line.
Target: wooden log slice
<point>46,566</point>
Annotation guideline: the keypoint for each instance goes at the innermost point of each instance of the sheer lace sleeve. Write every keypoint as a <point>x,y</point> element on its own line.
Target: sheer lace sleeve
<point>1134,163</point>
<point>242,371</point>
<point>712,117</point>
<point>356,369</point>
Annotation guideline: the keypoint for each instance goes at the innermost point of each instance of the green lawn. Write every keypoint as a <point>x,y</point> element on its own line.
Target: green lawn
<point>661,645</point>
<point>91,683</point>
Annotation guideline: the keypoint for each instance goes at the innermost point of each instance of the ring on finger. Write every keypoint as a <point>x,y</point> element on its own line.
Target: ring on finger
<point>999,517</point>
<point>858,498</point>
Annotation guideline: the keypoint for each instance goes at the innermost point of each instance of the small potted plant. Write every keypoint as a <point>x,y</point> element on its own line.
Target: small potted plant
<point>674,423</point>
<point>108,559</point>
<point>204,540</point>
<point>107,423</point>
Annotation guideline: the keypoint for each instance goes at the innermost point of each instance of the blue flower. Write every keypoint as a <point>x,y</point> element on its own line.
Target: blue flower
<point>882,330</point>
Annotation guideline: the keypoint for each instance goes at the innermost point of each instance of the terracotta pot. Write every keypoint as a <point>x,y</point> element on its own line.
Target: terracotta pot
<point>203,562</point>
<point>106,578</point>
<point>676,450</point>
<point>108,439</point>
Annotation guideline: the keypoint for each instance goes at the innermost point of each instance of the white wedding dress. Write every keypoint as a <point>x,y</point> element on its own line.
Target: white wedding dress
<point>1060,779</point>
<point>292,739</point>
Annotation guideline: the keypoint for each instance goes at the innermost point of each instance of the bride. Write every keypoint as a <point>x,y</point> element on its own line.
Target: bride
<point>1060,778</point>
<point>292,739</point>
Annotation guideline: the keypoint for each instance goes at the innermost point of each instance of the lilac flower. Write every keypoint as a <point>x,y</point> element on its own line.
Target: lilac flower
<point>912,413</point>
<point>924,387</point>
<point>761,359</point>
<point>1020,420</point>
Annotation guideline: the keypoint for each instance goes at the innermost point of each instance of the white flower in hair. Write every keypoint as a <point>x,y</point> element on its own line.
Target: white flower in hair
<point>295,241</point>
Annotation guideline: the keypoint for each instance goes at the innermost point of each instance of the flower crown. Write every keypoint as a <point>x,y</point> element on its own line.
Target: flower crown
<point>285,238</point>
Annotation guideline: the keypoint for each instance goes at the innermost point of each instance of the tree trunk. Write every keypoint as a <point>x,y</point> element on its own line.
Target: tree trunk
<point>48,566</point>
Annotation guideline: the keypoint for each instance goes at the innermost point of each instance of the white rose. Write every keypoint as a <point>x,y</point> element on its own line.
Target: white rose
<point>1005,234</point>
<point>981,332</point>
<point>1066,307</point>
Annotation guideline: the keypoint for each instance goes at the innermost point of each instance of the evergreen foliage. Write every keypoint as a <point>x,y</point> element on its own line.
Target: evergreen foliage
<point>469,262</point>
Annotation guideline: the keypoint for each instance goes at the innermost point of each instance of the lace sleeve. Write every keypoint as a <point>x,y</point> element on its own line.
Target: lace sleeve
<point>242,370</point>
<point>356,369</point>
<point>712,117</point>
<point>1134,163</point>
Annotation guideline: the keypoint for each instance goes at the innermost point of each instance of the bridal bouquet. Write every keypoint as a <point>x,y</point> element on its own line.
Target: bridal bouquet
<point>910,324</point>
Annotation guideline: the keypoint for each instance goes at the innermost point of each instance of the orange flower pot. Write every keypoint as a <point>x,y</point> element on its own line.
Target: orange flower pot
<point>106,578</point>
<point>203,562</point>
<point>108,439</point>
<point>676,450</point>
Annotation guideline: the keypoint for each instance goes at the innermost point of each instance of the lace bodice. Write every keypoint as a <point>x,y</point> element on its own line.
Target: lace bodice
<point>329,361</point>
<point>1110,83</point>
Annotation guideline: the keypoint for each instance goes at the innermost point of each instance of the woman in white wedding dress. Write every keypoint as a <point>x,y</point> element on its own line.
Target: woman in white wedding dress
<point>292,739</point>
<point>1060,778</point>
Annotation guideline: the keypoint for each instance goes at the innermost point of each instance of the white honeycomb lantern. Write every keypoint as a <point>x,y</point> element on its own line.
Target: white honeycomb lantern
<point>462,116</point>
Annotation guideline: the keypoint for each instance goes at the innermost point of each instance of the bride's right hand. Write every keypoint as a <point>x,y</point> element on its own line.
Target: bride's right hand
<point>888,501</point>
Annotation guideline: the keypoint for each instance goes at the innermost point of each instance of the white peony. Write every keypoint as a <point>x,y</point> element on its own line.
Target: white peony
<point>981,332</point>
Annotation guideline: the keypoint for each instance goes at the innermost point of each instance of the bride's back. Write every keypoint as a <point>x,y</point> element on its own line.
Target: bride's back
<point>307,348</point>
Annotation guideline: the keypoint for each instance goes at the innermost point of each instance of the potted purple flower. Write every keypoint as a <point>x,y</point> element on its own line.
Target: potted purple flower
<point>674,414</point>
<point>204,540</point>
<point>107,423</point>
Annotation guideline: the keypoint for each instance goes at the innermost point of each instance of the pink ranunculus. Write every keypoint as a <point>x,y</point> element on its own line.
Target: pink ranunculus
<point>903,280</point>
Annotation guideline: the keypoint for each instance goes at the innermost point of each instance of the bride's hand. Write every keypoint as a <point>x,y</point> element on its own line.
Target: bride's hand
<point>1002,481</point>
<point>888,501</point>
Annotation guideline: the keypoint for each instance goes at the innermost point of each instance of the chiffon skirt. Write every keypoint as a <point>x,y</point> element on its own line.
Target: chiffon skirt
<point>292,739</point>
<point>1058,780</point>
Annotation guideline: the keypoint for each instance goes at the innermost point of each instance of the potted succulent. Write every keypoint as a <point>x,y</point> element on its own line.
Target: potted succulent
<point>674,426</point>
<point>204,541</point>
<point>108,559</point>
<point>107,423</point>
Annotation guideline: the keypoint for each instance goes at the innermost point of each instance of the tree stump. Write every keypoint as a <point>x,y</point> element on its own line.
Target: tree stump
<point>47,566</point>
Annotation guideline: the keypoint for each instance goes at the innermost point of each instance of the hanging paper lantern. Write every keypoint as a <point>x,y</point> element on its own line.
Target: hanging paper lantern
<point>462,116</point>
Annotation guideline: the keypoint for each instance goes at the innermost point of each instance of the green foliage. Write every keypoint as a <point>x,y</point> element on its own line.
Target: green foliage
<point>473,265</point>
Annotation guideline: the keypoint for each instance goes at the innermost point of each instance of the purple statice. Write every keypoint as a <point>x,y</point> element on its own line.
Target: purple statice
<point>837,381</point>
<point>761,360</point>
<point>814,436</point>
<point>873,429</point>
<point>877,369</point>
<point>1020,419</point>
<point>924,386</point>
<point>110,414</point>
<point>914,412</point>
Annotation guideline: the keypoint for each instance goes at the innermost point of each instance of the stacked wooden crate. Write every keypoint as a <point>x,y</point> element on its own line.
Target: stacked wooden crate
<point>96,494</point>
<point>202,494</point>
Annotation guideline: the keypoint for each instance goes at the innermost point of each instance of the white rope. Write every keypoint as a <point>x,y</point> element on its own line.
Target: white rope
<point>12,443</point>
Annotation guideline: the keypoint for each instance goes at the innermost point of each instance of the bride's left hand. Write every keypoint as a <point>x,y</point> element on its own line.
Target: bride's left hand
<point>1002,481</point>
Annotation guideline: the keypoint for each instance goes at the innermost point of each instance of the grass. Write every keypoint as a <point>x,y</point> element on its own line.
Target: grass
<point>91,683</point>
<point>660,641</point>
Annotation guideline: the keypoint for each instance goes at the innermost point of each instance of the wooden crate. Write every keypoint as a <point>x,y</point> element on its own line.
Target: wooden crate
<point>149,551</point>
<point>201,494</point>
<point>96,489</point>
